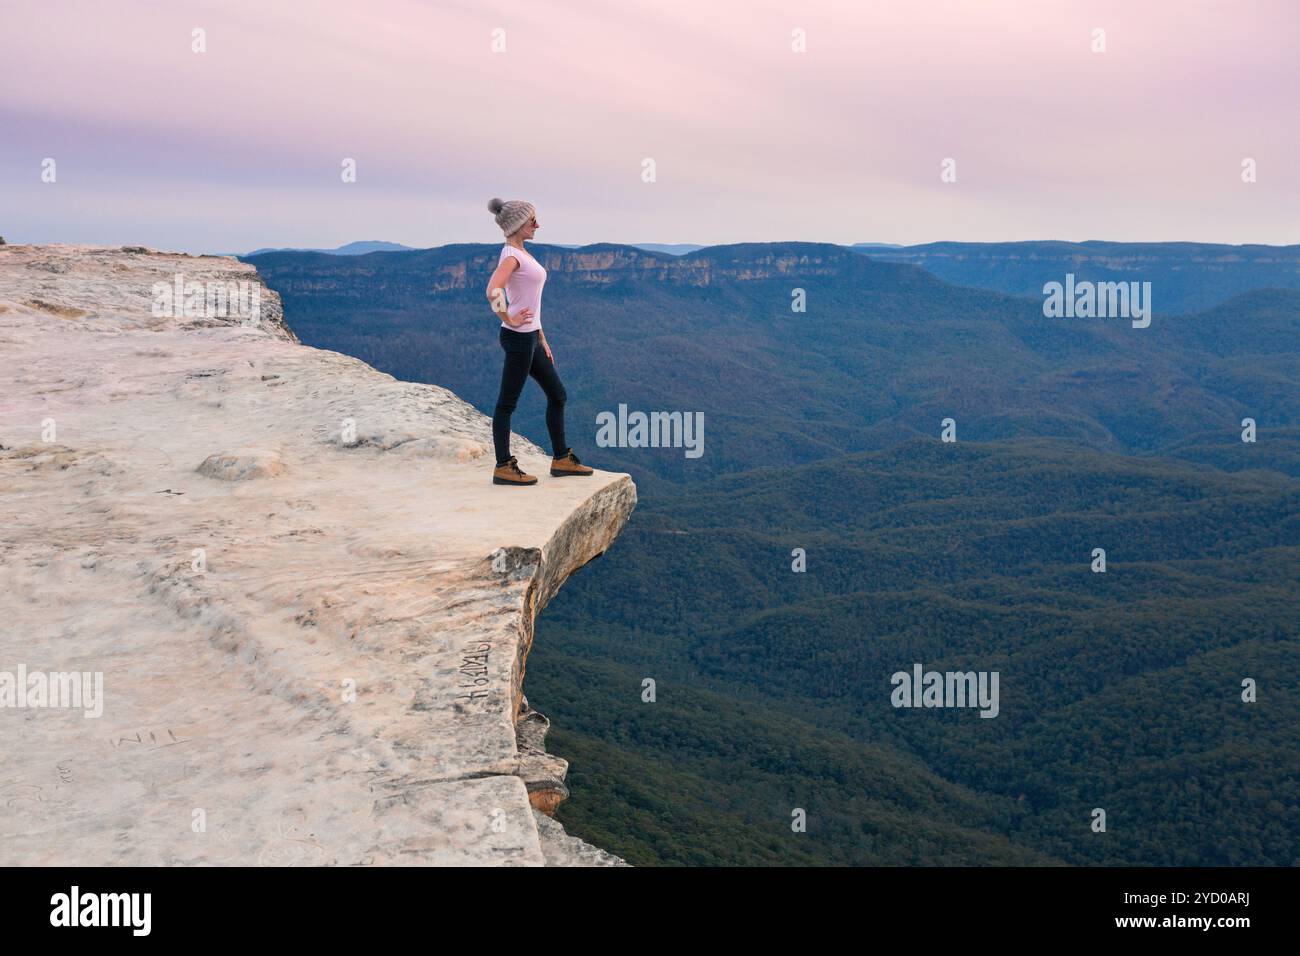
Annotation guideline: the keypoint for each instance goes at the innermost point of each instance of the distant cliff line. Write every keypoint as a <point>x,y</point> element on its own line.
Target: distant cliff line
<point>1189,276</point>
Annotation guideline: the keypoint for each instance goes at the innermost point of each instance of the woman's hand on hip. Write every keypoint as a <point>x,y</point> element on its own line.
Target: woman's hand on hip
<point>520,317</point>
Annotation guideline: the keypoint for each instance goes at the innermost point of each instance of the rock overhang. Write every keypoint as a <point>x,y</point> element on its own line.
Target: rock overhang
<point>310,606</point>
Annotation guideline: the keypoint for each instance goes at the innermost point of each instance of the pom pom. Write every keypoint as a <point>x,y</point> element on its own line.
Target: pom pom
<point>495,206</point>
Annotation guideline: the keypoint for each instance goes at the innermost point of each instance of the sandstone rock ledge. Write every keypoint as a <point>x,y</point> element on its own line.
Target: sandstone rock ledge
<point>310,606</point>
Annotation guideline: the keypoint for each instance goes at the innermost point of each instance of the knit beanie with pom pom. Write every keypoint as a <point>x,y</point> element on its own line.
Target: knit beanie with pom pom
<point>511,215</point>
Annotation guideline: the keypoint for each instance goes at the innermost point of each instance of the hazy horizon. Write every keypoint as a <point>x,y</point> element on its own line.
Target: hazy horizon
<point>701,245</point>
<point>317,247</point>
<point>706,245</point>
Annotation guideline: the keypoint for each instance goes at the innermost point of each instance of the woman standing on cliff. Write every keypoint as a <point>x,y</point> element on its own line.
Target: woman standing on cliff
<point>515,292</point>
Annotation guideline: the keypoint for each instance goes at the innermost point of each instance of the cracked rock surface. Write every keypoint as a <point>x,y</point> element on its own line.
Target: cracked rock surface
<point>309,606</point>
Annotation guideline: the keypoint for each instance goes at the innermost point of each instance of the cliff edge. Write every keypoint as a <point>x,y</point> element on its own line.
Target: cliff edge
<point>305,605</point>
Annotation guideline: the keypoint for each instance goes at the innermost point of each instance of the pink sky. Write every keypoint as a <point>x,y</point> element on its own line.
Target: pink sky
<point>242,146</point>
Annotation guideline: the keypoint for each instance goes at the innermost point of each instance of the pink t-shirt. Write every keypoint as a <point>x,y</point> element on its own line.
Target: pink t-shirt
<point>523,288</point>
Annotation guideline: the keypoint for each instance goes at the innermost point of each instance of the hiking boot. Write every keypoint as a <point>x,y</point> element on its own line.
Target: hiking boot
<point>509,473</point>
<point>568,464</point>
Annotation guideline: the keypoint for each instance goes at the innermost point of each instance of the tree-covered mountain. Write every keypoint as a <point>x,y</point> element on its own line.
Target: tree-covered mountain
<point>1184,276</point>
<point>884,351</point>
<point>1120,690</point>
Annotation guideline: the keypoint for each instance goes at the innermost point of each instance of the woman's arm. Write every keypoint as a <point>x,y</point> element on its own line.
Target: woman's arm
<point>496,292</point>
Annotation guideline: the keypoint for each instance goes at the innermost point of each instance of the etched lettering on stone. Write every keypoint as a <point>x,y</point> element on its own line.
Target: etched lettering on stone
<point>474,671</point>
<point>149,739</point>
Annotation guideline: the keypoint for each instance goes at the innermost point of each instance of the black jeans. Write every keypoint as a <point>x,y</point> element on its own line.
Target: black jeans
<point>525,356</point>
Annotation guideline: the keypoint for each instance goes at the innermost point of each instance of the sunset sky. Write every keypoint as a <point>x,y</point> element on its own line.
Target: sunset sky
<point>242,146</point>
